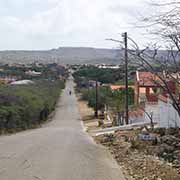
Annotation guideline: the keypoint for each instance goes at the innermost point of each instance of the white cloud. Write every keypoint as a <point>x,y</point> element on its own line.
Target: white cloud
<point>42,24</point>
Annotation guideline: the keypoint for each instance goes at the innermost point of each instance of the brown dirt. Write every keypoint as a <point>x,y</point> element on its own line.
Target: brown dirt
<point>135,162</point>
<point>85,111</point>
<point>87,116</point>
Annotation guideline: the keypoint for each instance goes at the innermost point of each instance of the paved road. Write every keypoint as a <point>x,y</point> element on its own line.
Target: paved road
<point>60,150</point>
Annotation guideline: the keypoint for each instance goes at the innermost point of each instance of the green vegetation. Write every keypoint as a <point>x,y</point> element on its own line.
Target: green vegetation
<point>47,71</point>
<point>26,106</point>
<point>101,75</point>
<point>89,95</point>
<point>114,100</point>
<point>121,82</point>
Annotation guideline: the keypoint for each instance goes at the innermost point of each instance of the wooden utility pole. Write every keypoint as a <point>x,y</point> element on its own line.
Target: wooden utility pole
<point>96,110</point>
<point>126,77</point>
<point>126,73</point>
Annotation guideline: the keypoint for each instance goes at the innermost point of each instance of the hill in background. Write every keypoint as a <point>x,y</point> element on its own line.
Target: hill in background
<point>64,55</point>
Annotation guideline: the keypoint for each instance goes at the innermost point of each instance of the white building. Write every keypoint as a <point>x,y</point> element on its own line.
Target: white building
<point>163,113</point>
<point>33,73</point>
<point>22,82</point>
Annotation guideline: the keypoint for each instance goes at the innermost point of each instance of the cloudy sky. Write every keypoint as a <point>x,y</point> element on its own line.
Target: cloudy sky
<point>46,24</point>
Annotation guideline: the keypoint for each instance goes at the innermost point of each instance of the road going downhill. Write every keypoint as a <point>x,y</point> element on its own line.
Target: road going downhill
<point>60,150</point>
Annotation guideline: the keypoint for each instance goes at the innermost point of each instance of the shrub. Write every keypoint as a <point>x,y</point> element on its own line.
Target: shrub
<point>25,106</point>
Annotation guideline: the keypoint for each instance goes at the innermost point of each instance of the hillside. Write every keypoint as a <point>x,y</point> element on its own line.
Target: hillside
<point>64,55</point>
<point>72,55</point>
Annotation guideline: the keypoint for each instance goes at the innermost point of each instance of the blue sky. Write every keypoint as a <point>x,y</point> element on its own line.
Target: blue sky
<point>46,24</point>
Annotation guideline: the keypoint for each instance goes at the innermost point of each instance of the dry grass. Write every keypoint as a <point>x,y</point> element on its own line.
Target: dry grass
<point>86,112</point>
<point>87,115</point>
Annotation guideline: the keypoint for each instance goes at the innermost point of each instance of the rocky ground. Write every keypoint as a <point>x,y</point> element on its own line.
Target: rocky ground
<point>158,159</point>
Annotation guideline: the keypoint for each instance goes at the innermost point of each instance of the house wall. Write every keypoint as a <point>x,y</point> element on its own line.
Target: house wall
<point>163,114</point>
<point>136,93</point>
<point>168,115</point>
<point>153,110</point>
<point>136,119</point>
<point>141,93</point>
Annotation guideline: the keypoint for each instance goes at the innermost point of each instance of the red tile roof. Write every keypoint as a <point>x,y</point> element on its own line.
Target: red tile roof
<point>147,79</point>
<point>163,98</point>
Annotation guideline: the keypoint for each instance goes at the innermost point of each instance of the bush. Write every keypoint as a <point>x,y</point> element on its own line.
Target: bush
<point>94,73</point>
<point>25,106</point>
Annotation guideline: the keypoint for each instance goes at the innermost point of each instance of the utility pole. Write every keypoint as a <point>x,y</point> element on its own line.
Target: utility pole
<point>126,77</point>
<point>96,110</point>
<point>124,35</point>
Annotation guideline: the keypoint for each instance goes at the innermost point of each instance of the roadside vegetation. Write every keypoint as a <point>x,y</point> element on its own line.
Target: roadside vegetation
<point>106,98</point>
<point>26,106</point>
<point>85,78</point>
<point>101,75</point>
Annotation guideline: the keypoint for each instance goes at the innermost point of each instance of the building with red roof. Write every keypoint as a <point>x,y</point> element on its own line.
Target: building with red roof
<point>148,85</point>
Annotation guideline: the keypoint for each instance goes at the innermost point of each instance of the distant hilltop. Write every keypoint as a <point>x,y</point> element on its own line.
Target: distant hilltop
<point>63,55</point>
<point>69,55</point>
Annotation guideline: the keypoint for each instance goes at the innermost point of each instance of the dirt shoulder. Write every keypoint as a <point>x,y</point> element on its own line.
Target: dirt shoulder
<point>134,158</point>
<point>87,116</point>
<point>90,123</point>
<point>138,160</point>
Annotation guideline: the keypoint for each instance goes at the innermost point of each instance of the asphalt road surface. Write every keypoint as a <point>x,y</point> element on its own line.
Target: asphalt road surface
<point>60,150</point>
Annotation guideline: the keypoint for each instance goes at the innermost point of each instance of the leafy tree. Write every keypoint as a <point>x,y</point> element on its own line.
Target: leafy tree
<point>101,75</point>
<point>115,100</point>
